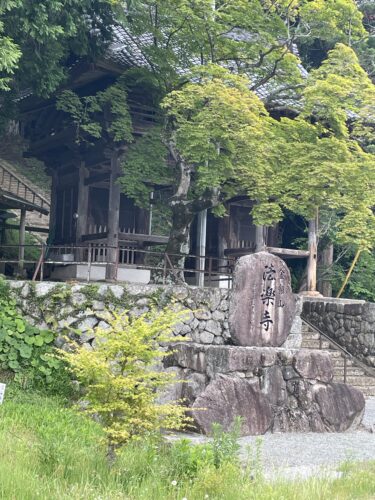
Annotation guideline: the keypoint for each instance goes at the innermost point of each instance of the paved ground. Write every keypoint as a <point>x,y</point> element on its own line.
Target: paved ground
<point>304,455</point>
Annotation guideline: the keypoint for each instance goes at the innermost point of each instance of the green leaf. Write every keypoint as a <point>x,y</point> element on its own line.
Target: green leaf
<point>25,352</point>
<point>14,365</point>
<point>20,325</point>
<point>38,340</point>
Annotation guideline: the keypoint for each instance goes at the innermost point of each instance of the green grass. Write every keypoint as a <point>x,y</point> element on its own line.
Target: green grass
<point>48,451</point>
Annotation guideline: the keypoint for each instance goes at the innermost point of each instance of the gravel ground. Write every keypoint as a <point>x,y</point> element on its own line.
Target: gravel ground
<point>312,454</point>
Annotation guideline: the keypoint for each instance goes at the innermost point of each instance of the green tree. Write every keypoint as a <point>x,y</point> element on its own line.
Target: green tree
<point>38,40</point>
<point>206,128</point>
<point>322,160</point>
<point>365,47</point>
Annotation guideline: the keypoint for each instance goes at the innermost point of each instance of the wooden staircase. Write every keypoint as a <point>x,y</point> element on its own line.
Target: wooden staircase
<point>16,190</point>
<point>345,367</point>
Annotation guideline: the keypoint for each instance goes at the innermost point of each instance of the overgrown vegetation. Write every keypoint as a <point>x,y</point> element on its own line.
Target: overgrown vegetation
<point>48,451</point>
<point>25,350</point>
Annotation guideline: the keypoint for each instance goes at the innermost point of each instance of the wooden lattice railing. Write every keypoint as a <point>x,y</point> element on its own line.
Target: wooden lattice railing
<point>13,185</point>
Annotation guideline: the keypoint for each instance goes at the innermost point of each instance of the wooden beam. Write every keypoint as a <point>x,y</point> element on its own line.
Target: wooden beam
<point>31,229</point>
<point>288,252</point>
<point>151,239</point>
<point>284,252</point>
<point>325,286</point>
<point>53,213</point>
<point>92,179</point>
<point>95,236</point>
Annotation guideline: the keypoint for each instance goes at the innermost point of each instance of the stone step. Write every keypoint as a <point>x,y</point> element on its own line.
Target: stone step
<point>359,381</point>
<point>310,336</point>
<point>340,363</point>
<point>368,391</point>
<point>315,344</point>
<point>350,372</point>
<point>335,355</point>
<point>355,376</point>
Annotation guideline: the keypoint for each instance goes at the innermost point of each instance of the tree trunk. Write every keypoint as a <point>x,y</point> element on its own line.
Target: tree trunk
<point>324,284</point>
<point>260,240</point>
<point>312,262</point>
<point>179,239</point>
<point>311,270</point>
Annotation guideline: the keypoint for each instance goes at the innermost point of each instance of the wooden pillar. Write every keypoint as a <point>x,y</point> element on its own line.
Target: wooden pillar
<point>52,211</point>
<point>113,218</point>
<point>327,261</point>
<point>201,247</point>
<point>312,260</point>
<point>21,248</point>
<point>260,240</point>
<point>83,203</point>
<point>223,239</point>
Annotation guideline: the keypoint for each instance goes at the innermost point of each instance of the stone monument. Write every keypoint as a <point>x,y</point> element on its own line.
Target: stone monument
<point>273,388</point>
<point>262,304</point>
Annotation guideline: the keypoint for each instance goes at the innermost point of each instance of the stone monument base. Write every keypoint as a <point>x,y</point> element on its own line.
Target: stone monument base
<point>272,389</point>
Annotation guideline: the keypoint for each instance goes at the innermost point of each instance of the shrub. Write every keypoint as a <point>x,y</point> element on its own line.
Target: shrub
<point>121,378</point>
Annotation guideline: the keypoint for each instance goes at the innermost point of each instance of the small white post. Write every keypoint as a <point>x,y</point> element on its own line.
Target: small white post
<point>2,393</point>
<point>201,247</point>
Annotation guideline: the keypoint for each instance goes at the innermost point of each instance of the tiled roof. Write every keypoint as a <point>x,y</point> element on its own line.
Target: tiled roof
<point>126,51</point>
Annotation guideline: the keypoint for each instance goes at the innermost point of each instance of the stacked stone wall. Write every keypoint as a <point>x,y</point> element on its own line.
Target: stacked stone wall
<point>64,306</point>
<point>350,323</point>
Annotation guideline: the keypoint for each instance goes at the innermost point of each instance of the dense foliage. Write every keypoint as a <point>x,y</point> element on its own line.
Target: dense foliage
<point>38,40</point>
<point>25,350</point>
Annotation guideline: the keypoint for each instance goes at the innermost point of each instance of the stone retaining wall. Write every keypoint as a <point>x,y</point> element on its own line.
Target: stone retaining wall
<point>350,322</point>
<point>83,306</point>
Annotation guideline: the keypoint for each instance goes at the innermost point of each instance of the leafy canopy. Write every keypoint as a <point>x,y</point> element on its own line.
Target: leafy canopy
<point>39,39</point>
<point>104,115</point>
<point>314,159</point>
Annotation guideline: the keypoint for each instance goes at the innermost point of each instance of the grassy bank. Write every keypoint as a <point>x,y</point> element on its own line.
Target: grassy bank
<point>47,451</point>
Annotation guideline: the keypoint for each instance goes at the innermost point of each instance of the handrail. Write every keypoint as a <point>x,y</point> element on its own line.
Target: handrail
<point>43,204</point>
<point>367,369</point>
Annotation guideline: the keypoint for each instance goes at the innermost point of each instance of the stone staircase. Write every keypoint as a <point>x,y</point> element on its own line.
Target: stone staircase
<point>345,369</point>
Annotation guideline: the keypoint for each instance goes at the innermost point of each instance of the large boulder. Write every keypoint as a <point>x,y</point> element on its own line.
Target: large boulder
<point>341,406</point>
<point>225,398</point>
<point>314,364</point>
<point>262,305</point>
